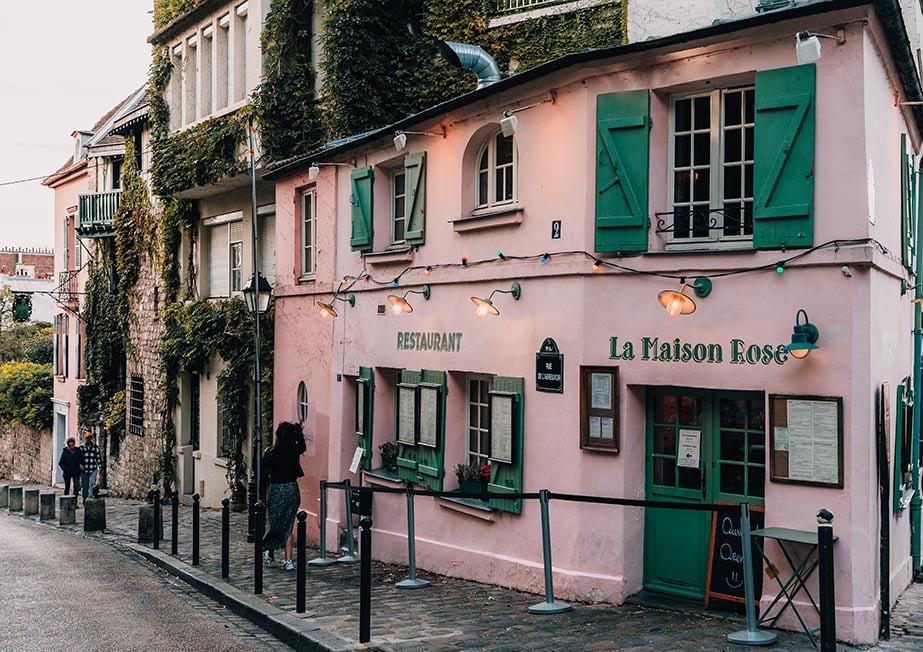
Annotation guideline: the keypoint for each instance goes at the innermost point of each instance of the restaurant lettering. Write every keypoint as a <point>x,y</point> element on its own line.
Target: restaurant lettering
<point>737,351</point>
<point>414,341</point>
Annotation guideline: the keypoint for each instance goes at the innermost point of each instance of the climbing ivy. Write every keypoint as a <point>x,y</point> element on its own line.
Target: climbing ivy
<point>167,10</point>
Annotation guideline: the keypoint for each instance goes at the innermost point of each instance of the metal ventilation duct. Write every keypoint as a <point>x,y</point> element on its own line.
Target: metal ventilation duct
<point>473,58</point>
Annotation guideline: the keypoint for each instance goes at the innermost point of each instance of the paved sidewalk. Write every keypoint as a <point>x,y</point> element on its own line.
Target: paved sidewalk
<point>450,614</point>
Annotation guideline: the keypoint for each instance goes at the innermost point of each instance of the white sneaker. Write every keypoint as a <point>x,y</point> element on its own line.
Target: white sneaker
<point>287,564</point>
<point>267,559</point>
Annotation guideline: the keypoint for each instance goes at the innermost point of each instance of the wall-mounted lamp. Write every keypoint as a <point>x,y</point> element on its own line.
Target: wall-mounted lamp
<point>314,170</point>
<point>327,309</point>
<point>509,121</point>
<point>486,306</point>
<point>807,45</point>
<point>400,304</point>
<point>400,137</point>
<point>804,335</point>
<point>677,303</point>
<point>257,294</point>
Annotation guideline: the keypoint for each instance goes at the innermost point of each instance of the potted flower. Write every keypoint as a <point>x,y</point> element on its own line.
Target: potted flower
<point>473,478</point>
<point>388,452</point>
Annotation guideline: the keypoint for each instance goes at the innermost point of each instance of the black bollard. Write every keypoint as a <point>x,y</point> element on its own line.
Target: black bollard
<point>175,539</point>
<point>825,581</point>
<point>365,580</point>
<point>157,525</point>
<point>195,529</point>
<point>225,537</point>
<point>258,521</point>
<point>301,562</point>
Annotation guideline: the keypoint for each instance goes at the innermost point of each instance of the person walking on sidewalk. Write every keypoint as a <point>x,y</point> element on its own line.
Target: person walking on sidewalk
<point>92,460</point>
<point>281,470</point>
<point>71,461</point>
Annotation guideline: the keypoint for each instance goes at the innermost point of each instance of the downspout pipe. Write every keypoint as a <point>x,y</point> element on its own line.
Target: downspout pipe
<point>916,502</point>
<point>473,58</point>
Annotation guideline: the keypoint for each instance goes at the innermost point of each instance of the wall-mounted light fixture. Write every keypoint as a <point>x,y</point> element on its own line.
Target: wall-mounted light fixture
<point>257,294</point>
<point>807,44</point>
<point>804,335</point>
<point>327,309</point>
<point>509,121</point>
<point>486,306</point>
<point>677,303</point>
<point>314,170</point>
<point>400,304</point>
<point>400,137</point>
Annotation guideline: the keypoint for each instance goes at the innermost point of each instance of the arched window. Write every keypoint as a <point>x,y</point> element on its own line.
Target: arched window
<point>302,402</point>
<point>496,172</point>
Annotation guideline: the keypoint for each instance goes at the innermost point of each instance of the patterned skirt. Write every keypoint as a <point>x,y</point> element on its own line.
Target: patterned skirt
<point>283,505</point>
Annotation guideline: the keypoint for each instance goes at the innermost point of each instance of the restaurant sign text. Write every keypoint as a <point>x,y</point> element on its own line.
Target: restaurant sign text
<point>737,351</point>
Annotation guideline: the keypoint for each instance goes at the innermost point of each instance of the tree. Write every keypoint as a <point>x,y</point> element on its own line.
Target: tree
<point>7,299</point>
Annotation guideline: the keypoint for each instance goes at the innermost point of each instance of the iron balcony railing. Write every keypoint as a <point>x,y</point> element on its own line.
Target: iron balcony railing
<point>96,214</point>
<point>507,6</point>
<point>68,290</point>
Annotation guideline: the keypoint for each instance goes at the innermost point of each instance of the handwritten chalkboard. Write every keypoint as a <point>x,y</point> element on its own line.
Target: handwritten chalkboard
<point>725,579</point>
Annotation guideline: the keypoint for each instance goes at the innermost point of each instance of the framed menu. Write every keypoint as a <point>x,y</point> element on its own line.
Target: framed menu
<point>407,414</point>
<point>502,405</point>
<point>599,408</point>
<point>806,440</point>
<point>428,433</point>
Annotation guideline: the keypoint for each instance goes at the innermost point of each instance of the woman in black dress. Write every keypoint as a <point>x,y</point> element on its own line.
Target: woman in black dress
<point>281,470</point>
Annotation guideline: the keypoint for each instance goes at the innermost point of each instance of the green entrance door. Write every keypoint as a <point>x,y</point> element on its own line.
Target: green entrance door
<point>702,447</point>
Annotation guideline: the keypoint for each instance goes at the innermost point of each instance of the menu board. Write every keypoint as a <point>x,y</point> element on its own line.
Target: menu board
<point>501,426</point>
<point>806,440</point>
<point>429,415</point>
<point>407,414</point>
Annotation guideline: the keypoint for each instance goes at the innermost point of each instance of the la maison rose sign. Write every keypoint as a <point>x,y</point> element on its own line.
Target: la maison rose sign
<point>736,351</point>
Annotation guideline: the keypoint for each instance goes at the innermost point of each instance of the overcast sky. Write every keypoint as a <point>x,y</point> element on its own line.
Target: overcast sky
<point>65,63</point>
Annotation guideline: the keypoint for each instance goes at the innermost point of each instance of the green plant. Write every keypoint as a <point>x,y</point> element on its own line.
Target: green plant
<point>476,472</point>
<point>26,389</point>
<point>389,448</point>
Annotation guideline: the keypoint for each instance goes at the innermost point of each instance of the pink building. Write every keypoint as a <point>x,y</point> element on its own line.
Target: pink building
<point>572,197</point>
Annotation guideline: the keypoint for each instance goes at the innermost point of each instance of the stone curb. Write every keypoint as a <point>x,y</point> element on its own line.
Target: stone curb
<point>291,630</point>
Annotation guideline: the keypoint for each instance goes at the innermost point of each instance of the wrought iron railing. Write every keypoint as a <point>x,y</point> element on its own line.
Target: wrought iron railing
<point>68,289</point>
<point>96,212</point>
<point>506,6</point>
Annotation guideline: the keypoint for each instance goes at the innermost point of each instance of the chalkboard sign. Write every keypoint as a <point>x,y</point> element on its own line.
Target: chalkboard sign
<point>725,579</point>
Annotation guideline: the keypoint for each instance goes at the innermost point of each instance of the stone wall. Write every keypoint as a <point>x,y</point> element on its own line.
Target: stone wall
<point>25,453</point>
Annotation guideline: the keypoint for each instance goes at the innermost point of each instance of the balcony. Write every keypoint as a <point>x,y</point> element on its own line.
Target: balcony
<point>68,289</point>
<point>96,214</point>
<point>505,6</point>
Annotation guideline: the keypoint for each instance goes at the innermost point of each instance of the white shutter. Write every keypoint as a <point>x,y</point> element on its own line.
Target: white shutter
<point>268,247</point>
<point>218,264</point>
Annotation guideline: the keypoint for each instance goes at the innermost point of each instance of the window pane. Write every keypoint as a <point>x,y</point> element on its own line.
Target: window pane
<point>484,421</point>
<point>399,207</point>
<point>681,186</point>
<point>482,188</point>
<point>665,440</point>
<point>732,445</point>
<point>732,108</point>
<point>664,472</point>
<point>473,413</point>
<point>681,222</point>
<point>731,219</point>
<point>732,182</point>
<point>748,180</point>
<point>665,409</point>
<point>702,147</point>
<point>701,185</point>
<point>689,478</point>
<point>683,115</point>
<point>399,180</point>
<point>681,151</point>
<point>690,411</point>
<point>485,160</point>
<point>733,414</point>
<point>700,222</point>
<point>748,105</point>
<point>757,482</point>
<point>757,453</point>
<point>702,112</point>
<point>748,143</point>
<point>732,479</point>
<point>732,145</point>
<point>504,149</point>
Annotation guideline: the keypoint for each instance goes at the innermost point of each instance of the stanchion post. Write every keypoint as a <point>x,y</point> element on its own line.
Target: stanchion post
<point>322,560</point>
<point>300,566</point>
<point>174,540</point>
<point>825,581</point>
<point>350,557</point>
<point>258,524</point>
<point>225,537</point>
<point>195,528</point>
<point>157,519</point>
<point>365,580</point>
<point>753,635</point>
<point>549,606</point>
<point>411,582</point>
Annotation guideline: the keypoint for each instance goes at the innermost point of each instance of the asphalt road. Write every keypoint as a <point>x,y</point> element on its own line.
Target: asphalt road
<point>61,591</point>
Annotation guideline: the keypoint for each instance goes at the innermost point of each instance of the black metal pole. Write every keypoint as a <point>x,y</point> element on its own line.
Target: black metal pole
<point>225,537</point>
<point>156,519</point>
<point>365,580</point>
<point>257,548</point>
<point>301,562</point>
<point>825,581</point>
<point>255,470</point>
<point>195,529</point>
<point>174,540</point>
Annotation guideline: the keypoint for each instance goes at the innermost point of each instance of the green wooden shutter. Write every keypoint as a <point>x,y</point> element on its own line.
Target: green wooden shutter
<point>622,152</point>
<point>365,412</point>
<point>507,478</point>
<point>361,200</point>
<point>783,158</point>
<point>415,178</point>
<point>902,444</point>
<point>430,460</point>
<point>909,207</point>
<point>406,454</point>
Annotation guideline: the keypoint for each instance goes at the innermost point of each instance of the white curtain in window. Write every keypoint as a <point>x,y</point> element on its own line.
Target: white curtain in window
<point>268,247</point>
<point>218,263</point>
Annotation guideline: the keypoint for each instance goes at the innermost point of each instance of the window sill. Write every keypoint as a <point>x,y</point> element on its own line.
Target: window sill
<point>196,454</point>
<point>476,508</point>
<point>222,462</point>
<point>383,477</point>
<point>307,278</point>
<point>706,248</point>
<point>509,215</point>
<point>397,255</point>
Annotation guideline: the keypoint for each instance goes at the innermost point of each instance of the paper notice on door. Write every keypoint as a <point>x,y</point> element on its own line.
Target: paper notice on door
<point>357,459</point>
<point>688,453</point>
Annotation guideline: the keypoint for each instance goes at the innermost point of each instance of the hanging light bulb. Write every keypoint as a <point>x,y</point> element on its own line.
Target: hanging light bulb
<point>677,303</point>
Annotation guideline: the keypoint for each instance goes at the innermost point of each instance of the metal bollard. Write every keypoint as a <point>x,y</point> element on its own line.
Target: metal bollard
<point>300,560</point>
<point>157,525</point>
<point>225,537</point>
<point>174,541</point>
<point>322,560</point>
<point>825,581</point>
<point>753,635</point>
<point>549,606</point>
<point>350,557</point>
<point>258,524</point>
<point>411,582</point>
<point>195,529</point>
<point>365,581</point>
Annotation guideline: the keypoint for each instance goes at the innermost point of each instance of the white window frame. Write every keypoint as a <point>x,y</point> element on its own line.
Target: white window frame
<point>308,234</point>
<point>222,222</point>
<point>235,266</point>
<point>716,239</point>
<point>398,214</point>
<point>302,402</point>
<point>490,147</point>
<point>482,429</point>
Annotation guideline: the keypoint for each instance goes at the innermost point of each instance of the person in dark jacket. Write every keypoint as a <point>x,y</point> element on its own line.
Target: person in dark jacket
<point>281,470</point>
<point>71,463</point>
